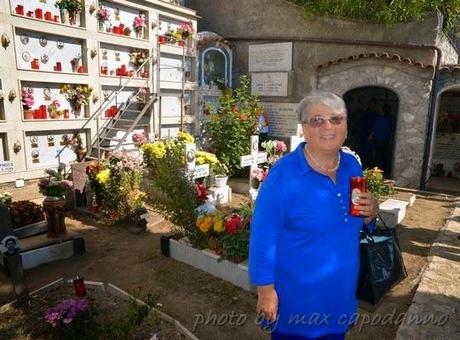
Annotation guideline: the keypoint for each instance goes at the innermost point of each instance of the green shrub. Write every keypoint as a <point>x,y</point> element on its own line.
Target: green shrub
<point>230,128</point>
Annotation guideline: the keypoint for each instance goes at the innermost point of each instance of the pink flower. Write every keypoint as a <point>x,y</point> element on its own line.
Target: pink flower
<point>139,22</point>
<point>280,147</point>
<point>259,174</point>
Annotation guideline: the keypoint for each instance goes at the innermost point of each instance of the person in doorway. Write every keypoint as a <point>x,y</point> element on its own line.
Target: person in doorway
<point>304,244</point>
<point>380,137</point>
<point>366,150</point>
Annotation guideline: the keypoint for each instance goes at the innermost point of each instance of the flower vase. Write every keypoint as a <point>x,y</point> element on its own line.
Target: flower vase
<point>64,16</point>
<point>220,180</point>
<point>28,114</point>
<point>77,110</point>
<point>73,17</point>
<point>101,26</point>
<point>140,33</point>
<point>54,212</point>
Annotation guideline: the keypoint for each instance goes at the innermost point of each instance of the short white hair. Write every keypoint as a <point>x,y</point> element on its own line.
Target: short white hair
<point>318,97</point>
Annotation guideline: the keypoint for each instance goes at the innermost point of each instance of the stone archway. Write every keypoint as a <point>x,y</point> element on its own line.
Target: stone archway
<point>412,85</point>
<point>372,116</point>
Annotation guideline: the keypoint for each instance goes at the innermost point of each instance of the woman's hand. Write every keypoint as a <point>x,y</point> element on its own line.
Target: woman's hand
<point>368,206</point>
<point>267,302</point>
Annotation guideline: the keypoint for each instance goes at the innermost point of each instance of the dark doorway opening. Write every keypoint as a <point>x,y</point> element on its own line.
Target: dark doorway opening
<point>372,116</point>
<point>445,151</point>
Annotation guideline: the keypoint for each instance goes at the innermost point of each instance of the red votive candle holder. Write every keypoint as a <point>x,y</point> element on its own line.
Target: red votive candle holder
<point>30,14</point>
<point>39,13</point>
<point>20,9</point>
<point>58,66</point>
<point>48,16</point>
<point>162,39</point>
<point>56,18</point>
<point>66,114</point>
<point>79,286</point>
<point>80,69</point>
<point>43,114</point>
<point>37,114</point>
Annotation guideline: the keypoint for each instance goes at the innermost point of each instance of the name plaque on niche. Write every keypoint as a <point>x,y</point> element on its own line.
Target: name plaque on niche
<point>6,166</point>
<point>274,84</point>
<point>282,119</point>
<point>270,57</point>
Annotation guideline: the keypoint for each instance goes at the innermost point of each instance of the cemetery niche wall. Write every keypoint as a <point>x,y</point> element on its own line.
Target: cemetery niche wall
<point>55,54</point>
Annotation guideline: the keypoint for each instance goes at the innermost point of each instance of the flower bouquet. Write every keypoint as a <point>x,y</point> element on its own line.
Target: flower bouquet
<point>139,138</point>
<point>138,58</point>
<point>54,185</point>
<point>275,150</point>
<point>139,25</point>
<point>77,95</point>
<point>103,16</point>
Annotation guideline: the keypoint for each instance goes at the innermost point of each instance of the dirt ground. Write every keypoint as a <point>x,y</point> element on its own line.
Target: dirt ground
<point>134,261</point>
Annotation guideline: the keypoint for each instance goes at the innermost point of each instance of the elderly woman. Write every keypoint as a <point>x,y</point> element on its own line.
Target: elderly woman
<point>304,246</point>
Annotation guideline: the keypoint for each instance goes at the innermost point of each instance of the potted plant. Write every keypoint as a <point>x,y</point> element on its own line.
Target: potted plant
<point>27,99</point>
<point>103,16</point>
<point>54,187</point>
<point>77,95</point>
<point>139,25</point>
<point>220,171</point>
<point>72,7</point>
<point>54,111</point>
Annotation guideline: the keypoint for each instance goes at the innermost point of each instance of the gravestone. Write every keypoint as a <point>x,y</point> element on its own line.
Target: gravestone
<point>252,161</point>
<point>9,248</point>
<point>79,178</point>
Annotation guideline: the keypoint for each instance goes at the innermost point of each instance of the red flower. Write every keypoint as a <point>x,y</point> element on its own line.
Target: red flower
<point>202,192</point>
<point>232,224</point>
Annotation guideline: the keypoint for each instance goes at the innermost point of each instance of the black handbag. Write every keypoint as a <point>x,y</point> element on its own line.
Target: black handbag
<point>381,265</point>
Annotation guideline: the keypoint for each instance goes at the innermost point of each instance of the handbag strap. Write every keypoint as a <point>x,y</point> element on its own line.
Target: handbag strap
<point>383,222</point>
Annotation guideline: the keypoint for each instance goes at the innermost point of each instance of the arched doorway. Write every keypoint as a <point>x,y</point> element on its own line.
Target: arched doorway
<point>372,117</point>
<point>444,174</point>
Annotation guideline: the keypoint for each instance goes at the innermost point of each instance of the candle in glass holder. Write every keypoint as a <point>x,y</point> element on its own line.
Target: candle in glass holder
<point>66,114</point>
<point>20,9</point>
<point>79,286</point>
<point>58,66</point>
<point>39,13</point>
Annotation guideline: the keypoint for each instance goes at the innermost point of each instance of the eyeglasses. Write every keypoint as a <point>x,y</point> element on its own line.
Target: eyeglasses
<point>320,121</point>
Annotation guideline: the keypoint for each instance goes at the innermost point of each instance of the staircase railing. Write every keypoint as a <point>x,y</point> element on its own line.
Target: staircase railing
<point>108,101</point>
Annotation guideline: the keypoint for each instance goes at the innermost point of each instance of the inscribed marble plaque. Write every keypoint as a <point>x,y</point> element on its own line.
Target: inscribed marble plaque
<point>270,57</point>
<point>273,84</point>
<point>282,119</point>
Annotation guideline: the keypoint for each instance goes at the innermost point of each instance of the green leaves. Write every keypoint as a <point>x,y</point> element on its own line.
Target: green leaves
<point>231,127</point>
<point>384,11</point>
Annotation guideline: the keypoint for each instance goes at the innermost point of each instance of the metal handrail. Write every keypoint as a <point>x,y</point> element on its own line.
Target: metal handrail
<point>109,100</point>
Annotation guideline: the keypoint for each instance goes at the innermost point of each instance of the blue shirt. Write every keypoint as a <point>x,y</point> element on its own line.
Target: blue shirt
<point>305,242</point>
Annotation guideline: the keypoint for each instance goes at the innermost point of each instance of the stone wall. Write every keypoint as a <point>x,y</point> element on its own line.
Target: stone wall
<point>412,85</point>
<point>449,54</point>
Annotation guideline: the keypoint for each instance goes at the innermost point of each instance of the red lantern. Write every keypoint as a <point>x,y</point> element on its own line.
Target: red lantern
<point>43,113</point>
<point>39,13</point>
<point>20,9</point>
<point>79,286</point>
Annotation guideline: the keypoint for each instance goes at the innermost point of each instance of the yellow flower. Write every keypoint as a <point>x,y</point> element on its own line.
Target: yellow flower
<point>219,226</point>
<point>183,136</point>
<point>103,176</point>
<point>203,157</point>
